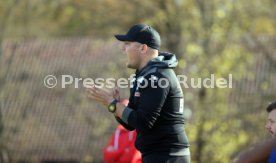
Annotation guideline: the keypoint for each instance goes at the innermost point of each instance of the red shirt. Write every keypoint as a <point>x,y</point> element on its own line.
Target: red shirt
<point>121,149</point>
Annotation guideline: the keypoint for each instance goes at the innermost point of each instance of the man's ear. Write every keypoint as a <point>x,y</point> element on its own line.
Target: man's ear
<point>144,48</point>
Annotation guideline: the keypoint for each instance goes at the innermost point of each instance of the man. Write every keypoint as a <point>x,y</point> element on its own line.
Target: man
<point>155,106</point>
<point>266,151</point>
<point>271,127</point>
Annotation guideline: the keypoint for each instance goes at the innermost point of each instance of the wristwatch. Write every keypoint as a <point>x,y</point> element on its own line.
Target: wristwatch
<point>112,106</point>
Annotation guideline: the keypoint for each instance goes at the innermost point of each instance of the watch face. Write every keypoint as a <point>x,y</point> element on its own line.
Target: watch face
<point>111,108</point>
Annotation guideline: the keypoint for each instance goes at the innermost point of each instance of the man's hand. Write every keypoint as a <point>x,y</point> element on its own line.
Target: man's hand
<point>102,95</point>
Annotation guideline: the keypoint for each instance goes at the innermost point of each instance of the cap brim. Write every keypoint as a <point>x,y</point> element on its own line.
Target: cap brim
<point>123,38</point>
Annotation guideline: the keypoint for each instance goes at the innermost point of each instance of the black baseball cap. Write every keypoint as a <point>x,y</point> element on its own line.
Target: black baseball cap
<point>143,34</point>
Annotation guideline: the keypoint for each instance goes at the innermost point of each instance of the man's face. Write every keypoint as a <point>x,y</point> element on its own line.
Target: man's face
<point>271,123</point>
<point>133,55</point>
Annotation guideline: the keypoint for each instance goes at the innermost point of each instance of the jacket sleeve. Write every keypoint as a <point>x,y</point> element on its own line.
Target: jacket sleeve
<point>151,101</point>
<point>126,126</point>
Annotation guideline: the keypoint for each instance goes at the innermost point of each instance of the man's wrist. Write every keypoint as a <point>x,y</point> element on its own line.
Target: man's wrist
<point>112,106</point>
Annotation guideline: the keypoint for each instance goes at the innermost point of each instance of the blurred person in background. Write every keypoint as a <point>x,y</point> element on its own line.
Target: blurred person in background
<point>156,100</point>
<point>265,152</point>
<point>120,148</point>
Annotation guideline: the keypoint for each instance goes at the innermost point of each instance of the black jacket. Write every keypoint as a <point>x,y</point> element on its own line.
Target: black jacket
<point>156,110</point>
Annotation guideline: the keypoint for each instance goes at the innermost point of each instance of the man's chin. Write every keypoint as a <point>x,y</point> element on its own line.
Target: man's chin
<point>273,135</point>
<point>130,66</point>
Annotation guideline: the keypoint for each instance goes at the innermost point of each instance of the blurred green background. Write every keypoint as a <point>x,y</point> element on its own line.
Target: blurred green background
<point>43,37</point>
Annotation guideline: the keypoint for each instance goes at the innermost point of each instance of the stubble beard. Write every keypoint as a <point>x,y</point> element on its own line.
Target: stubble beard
<point>130,66</point>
